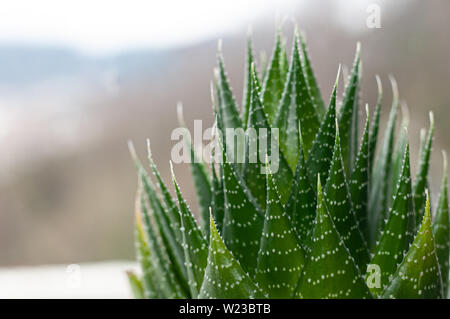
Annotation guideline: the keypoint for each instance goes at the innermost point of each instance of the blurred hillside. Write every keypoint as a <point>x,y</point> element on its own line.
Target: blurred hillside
<point>67,182</point>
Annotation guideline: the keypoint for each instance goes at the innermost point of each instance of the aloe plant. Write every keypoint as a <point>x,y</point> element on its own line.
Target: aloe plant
<point>337,219</point>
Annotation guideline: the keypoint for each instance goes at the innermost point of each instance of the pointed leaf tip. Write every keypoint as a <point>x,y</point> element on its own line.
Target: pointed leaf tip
<point>348,114</point>
<point>359,181</point>
<point>296,105</point>
<point>273,82</point>
<point>340,207</point>
<point>311,80</point>
<point>379,84</point>
<point>330,270</point>
<point>394,88</point>
<point>321,153</point>
<point>224,278</point>
<point>400,225</point>
<point>418,275</point>
<point>421,181</point>
<point>280,257</point>
<point>194,243</point>
<point>243,217</point>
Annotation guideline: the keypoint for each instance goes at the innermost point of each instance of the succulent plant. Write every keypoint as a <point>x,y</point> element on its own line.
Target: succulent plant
<point>337,219</point>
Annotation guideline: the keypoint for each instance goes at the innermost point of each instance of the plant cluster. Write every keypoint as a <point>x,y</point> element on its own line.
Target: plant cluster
<point>339,219</point>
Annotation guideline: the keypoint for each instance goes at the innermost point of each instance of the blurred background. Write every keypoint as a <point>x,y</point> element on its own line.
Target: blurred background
<point>78,79</point>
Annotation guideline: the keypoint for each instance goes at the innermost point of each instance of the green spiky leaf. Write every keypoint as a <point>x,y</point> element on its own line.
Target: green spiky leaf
<point>137,288</point>
<point>397,160</point>
<point>166,284</point>
<point>170,247</point>
<point>311,80</point>
<point>271,231</point>
<point>228,106</point>
<point>418,276</point>
<point>286,119</point>
<point>339,205</point>
<point>258,131</point>
<point>228,118</point>
<point>203,190</point>
<point>218,199</point>
<point>194,244</point>
<point>144,259</point>
<point>243,219</point>
<point>296,105</point>
<point>253,165</point>
<point>263,65</point>
<point>379,186</point>
<point>330,270</point>
<point>200,176</point>
<point>224,277</point>
<point>399,230</point>
<point>246,96</point>
<point>280,256</point>
<point>284,63</point>
<point>359,183</point>
<point>301,206</point>
<point>421,182</point>
<point>273,82</point>
<point>319,158</point>
<point>441,229</point>
<point>374,127</point>
<point>171,209</point>
<point>348,113</point>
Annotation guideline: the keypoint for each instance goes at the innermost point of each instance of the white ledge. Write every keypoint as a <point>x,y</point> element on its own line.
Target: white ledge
<point>84,280</point>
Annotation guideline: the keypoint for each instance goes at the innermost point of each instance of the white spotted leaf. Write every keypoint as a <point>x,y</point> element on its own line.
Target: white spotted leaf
<point>330,270</point>
<point>160,227</point>
<point>165,282</point>
<point>243,221</point>
<point>224,277</point>
<point>194,244</point>
<point>359,183</point>
<point>319,158</point>
<point>246,96</point>
<point>227,105</point>
<point>337,197</point>
<point>296,105</point>
<point>280,256</point>
<point>399,230</point>
<point>379,185</point>
<point>301,206</point>
<point>218,197</point>
<point>418,276</point>
<point>348,113</point>
<point>421,181</point>
<point>311,80</point>
<point>273,82</point>
<point>258,131</point>
<point>375,126</point>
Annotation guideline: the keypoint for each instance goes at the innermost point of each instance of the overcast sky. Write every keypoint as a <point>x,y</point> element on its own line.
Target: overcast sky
<point>99,26</point>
